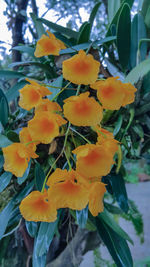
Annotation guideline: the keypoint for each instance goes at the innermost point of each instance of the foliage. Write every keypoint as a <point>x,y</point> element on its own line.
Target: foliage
<point>129,124</point>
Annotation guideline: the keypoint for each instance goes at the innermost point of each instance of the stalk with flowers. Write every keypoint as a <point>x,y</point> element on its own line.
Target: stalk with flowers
<point>72,131</point>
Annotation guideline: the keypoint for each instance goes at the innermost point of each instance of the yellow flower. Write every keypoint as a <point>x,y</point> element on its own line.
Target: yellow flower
<point>129,90</point>
<point>31,95</point>
<point>45,126</point>
<point>82,110</point>
<point>36,207</point>
<point>113,94</point>
<point>97,190</point>
<point>106,138</point>
<point>25,138</point>
<point>68,190</point>
<point>47,105</point>
<point>48,45</point>
<point>81,68</point>
<point>16,158</point>
<point>93,160</point>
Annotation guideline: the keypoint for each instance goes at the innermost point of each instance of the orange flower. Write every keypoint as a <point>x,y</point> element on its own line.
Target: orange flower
<point>48,45</point>
<point>68,190</point>
<point>16,159</point>
<point>45,126</point>
<point>82,110</point>
<point>97,190</point>
<point>129,90</point>
<point>36,207</point>
<point>106,138</point>
<point>93,160</point>
<point>113,94</point>
<point>47,105</point>
<point>31,95</point>
<point>81,68</point>
<point>25,138</point>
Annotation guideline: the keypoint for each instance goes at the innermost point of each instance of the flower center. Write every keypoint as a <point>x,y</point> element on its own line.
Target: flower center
<point>70,188</point>
<point>48,46</point>
<point>107,91</point>
<point>82,108</point>
<point>47,126</point>
<point>34,96</point>
<point>81,67</point>
<point>92,158</point>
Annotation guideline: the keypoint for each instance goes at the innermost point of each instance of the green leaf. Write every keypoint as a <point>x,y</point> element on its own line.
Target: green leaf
<point>138,130</point>
<point>138,32</point>
<point>81,217</point>
<point>38,261</point>
<point>26,49</point>
<point>117,246</point>
<point>113,209</point>
<point>7,213</point>
<point>136,217</point>
<point>93,13</point>
<point>114,70</point>
<point>38,25</point>
<point>115,18</point>
<point>58,28</point>
<point>39,176</point>
<point>27,189</point>
<point>138,72</point>
<point>56,83</point>
<point>45,67</point>
<point>145,7</point>
<point>13,93</point>
<point>21,180</point>
<point>118,124</point>
<point>113,6</point>
<point>5,180</point>
<point>146,84</point>
<point>108,219</point>
<point>1,161</point>
<point>144,109</point>
<point>119,190</point>
<point>145,146</point>
<point>44,237</point>
<point>32,228</point>
<point>140,3</point>
<point>8,74</point>
<point>5,216</point>
<point>4,109</point>
<point>13,136</point>
<point>86,45</point>
<point>75,47</point>
<point>147,17</point>
<point>4,141</point>
<point>84,34</point>
<point>124,35</point>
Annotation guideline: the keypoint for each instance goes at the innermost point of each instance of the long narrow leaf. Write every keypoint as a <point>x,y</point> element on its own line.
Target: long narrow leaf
<point>58,28</point>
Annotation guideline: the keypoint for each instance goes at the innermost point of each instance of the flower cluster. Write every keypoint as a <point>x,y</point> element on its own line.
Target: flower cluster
<point>80,185</point>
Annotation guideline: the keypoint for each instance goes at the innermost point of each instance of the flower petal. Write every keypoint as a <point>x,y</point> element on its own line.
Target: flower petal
<point>81,68</point>
<point>36,207</point>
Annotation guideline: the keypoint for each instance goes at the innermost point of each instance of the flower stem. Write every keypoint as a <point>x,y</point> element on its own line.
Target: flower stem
<point>80,135</point>
<point>60,91</point>
<point>33,141</point>
<point>45,180</point>
<point>68,161</point>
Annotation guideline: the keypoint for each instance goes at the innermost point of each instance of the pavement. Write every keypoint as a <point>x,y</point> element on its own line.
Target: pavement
<point>140,194</point>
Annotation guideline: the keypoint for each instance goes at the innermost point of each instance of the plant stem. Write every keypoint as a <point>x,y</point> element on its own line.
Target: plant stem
<point>60,91</point>
<point>80,135</point>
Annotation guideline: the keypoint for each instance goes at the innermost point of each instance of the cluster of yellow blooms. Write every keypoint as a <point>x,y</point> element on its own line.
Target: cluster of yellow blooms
<point>74,189</point>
